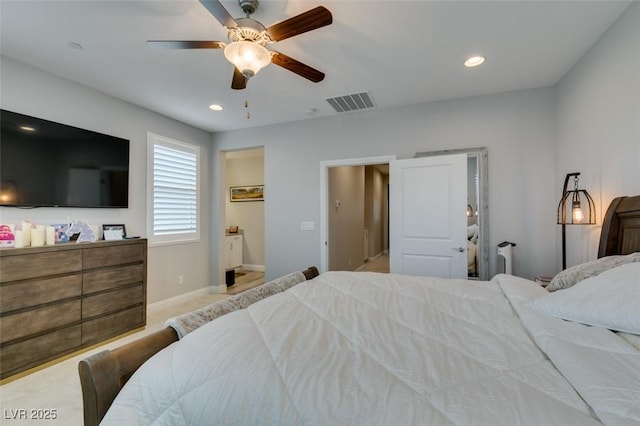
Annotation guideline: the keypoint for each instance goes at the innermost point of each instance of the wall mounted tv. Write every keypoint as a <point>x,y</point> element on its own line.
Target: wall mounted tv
<point>47,164</point>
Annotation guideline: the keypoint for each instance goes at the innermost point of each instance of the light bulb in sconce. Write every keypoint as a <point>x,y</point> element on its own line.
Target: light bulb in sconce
<point>576,212</point>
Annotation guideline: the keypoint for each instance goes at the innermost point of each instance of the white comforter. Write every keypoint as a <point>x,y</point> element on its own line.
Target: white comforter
<point>364,349</point>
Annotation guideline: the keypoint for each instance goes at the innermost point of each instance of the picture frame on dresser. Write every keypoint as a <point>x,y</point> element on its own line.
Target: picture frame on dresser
<point>113,232</point>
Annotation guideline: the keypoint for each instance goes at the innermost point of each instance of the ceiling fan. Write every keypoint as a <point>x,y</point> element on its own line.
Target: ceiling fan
<point>247,40</point>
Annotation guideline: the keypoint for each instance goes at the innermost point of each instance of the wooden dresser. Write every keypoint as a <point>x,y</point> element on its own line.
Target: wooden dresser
<point>57,299</point>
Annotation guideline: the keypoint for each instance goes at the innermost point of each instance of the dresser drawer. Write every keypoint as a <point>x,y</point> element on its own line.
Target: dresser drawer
<point>40,320</point>
<point>105,279</point>
<point>112,301</point>
<point>39,291</point>
<point>58,299</point>
<point>111,325</point>
<point>26,266</point>
<point>113,255</point>
<point>29,353</point>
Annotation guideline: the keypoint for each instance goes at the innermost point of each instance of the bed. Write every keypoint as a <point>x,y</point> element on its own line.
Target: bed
<point>368,348</point>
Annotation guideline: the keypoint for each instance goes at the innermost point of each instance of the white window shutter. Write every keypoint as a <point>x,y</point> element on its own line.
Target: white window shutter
<point>174,186</point>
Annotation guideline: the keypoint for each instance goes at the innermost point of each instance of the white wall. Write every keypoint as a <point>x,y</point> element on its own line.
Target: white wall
<point>518,128</point>
<point>598,127</point>
<point>34,92</point>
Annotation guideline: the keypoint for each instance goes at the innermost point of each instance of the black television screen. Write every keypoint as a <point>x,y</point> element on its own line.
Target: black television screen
<point>47,164</point>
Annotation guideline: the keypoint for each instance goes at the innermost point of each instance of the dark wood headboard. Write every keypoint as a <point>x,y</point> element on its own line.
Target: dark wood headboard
<point>621,227</point>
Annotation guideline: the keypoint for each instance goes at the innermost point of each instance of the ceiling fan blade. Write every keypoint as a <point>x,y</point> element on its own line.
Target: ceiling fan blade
<point>239,81</point>
<point>220,13</point>
<point>307,21</point>
<point>297,67</point>
<point>185,44</point>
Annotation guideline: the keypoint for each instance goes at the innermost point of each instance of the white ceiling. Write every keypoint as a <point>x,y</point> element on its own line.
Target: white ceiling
<point>401,52</point>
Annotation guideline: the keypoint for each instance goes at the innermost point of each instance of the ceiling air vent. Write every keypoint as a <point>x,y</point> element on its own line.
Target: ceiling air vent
<point>354,102</point>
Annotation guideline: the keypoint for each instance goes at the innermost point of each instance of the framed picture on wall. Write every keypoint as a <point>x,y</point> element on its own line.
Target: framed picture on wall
<point>246,193</point>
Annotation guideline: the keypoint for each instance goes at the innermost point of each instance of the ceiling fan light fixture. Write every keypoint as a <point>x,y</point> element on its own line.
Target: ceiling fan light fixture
<point>247,56</point>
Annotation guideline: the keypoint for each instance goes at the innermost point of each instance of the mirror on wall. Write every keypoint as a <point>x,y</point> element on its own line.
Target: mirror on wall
<point>477,209</point>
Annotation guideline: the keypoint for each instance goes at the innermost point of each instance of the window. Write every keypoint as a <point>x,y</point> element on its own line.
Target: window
<point>173,203</point>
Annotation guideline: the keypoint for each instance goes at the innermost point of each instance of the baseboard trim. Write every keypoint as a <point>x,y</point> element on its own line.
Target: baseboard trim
<point>371,259</point>
<point>185,296</point>
<point>258,268</point>
<point>221,288</point>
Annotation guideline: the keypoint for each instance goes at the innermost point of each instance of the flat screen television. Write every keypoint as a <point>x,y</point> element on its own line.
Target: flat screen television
<point>47,164</point>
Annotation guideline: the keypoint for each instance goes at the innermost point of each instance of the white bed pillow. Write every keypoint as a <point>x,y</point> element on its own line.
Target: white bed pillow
<point>610,300</point>
<point>472,233</point>
<point>577,273</point>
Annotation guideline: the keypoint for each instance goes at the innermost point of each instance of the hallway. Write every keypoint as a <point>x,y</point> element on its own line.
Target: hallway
<point>380,264</point>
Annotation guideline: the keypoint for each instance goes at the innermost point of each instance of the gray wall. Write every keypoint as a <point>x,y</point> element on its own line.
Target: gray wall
<point>598,127</point>
<point>34,92</point>
<point>518,128</point>
<point>375,198</point>
<point>346,221</point>
<point>588,122</point>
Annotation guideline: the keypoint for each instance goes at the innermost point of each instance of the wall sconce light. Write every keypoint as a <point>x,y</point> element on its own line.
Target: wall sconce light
<point>575,208</point>
<point>469,210</point>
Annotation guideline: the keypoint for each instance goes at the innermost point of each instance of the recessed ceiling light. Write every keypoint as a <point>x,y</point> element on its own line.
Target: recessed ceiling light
<point>216,107</point>
<point>474,61</point>
<point>27,129</point>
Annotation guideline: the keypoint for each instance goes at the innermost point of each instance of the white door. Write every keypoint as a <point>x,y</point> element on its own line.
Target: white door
<point>428,223</point>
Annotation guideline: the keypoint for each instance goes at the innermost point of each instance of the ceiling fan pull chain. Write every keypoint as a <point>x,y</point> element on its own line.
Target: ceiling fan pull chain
<point>246,106</point>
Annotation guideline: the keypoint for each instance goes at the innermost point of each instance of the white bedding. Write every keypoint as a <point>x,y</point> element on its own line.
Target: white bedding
<point>379,349</point>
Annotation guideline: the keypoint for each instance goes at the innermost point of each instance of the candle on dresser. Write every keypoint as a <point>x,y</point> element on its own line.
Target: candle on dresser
<point>37,236</point>
<point>50,235</point>
<point>26,233</point>
<point>18,238</point>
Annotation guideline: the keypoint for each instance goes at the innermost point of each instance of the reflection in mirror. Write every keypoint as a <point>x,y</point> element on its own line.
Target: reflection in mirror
<point>472,215</point>
<point>477,209</point>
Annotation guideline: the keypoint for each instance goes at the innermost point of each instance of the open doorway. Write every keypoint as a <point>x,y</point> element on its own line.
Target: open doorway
<point>243,256</point>
<point>354,224</point>
<point>358,218</point>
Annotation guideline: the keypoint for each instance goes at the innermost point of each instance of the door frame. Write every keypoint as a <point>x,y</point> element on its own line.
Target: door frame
<point>324,197</point>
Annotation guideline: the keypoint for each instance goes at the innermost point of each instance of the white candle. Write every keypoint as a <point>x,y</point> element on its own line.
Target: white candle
<point>26,233</point>
<point>51,235</point>
<point>37,237</point>
<point>19,238</point>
